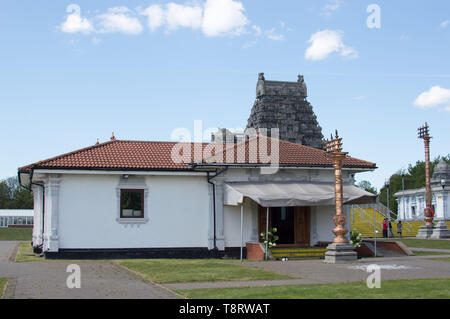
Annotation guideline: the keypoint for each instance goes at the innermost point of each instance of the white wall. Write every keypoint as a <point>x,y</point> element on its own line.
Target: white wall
<point>322,224</point>
<point>232,223</point>
<point>178,213</point>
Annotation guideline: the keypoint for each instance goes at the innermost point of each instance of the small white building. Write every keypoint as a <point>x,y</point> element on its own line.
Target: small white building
<point>135,198</point>
<point>411,202</point>
<point>20,218</point>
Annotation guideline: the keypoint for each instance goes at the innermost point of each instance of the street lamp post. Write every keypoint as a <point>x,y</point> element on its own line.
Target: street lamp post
<point>340,250</point>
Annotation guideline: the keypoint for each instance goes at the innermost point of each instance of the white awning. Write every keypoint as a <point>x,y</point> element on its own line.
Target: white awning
<point>284,194</point>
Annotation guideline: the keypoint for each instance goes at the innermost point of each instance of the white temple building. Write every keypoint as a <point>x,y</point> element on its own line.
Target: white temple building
<point>411,202</point>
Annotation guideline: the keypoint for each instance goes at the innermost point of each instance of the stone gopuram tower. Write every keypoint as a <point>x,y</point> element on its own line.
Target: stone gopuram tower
<point>283,105</point>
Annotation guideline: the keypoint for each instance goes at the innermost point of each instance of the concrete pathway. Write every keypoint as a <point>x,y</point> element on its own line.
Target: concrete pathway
<point>48,280</point>
<point>317,272</point>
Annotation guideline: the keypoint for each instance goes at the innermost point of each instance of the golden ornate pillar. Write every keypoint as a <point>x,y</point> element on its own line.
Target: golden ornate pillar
<point>426,230</point>
<point>423,133</point>
<point>340,251</point>
<point>333,148</point>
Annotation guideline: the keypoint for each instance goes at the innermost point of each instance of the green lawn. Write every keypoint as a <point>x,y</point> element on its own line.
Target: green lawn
<point>16,233</point>
<point>195,270</point>
<point>394,289</point>
<point>442,259</point>
<point>3,282</point>
<point>425,243</point>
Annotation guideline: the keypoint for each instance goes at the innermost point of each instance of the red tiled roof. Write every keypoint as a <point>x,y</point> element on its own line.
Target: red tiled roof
<point>148,155</point>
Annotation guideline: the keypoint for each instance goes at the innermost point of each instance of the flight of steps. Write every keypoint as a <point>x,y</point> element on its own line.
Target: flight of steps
<point>296,253</point>
<point>366,229</point>
<point>361,220</point>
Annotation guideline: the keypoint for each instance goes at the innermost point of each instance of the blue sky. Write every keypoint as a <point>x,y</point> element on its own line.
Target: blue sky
<point>144,68</point>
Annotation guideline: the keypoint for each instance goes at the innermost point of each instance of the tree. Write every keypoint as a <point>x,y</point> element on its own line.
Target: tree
<point>5,195</point>
<point>367,186</point>
<point>414,177</point>
<point>13,196</point>
<point>22,199</point>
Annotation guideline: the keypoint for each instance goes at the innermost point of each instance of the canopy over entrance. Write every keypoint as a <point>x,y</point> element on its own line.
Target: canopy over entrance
<point>286,194</point>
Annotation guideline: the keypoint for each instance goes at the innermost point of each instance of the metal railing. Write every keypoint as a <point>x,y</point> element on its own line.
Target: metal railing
<point>366,217</point>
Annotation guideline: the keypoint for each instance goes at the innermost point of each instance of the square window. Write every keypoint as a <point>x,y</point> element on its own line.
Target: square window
<point>131,203</point>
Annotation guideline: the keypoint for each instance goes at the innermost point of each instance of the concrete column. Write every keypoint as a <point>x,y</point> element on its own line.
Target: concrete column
<point>37,219</point>
<point>51,239</point>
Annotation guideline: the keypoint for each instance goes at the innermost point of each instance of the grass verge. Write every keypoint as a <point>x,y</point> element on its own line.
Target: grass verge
<point>393,289</point>
<point>426,253</point>
<point>195,270</point>
<point>16,234</point>
<point>3,282</point>
<point>25,253</point>
<point>442,259</point>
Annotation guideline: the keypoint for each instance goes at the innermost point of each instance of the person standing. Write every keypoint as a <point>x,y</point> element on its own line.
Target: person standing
<point>385,228</point>
<point>399,228</point>
<point>390,229</point>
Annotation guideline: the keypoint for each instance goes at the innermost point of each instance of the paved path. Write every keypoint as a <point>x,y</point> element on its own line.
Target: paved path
<point>48,280</point>
<point>317,272</point>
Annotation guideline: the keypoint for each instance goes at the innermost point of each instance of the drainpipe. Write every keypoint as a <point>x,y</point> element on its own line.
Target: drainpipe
<point>43,202</point>
<point>209,178</point>
<point>214,209</point>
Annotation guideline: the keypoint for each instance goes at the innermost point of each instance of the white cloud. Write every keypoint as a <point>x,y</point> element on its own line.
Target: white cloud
<point>155,16</point>
<point>76,24</point>
<point>330,7</point>
<point>433,97</point>
<point>249,44</point>
<point>323,43</point>
<point>257,30</point>
<point>222,17</point>
<point>95,40</point>
<point>183,16</point>
<point>445,24</point>
<point>119,19</point>
<point>212,17</point>
<point>273,36</point>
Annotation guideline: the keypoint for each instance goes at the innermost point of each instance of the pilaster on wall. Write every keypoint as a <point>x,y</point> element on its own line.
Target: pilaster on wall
<point>37,219</point>
<point>51,239</point>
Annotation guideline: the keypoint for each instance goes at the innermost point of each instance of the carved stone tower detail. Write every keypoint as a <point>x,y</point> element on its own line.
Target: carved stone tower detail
<point>283,105</point>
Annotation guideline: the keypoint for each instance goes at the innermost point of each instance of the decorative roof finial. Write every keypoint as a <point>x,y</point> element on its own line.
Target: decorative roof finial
<point>113,138</point>
<point>97,142</point>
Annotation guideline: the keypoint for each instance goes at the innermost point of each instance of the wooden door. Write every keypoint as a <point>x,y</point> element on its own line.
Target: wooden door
<point>301,227</point>
<point>262,212</point>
